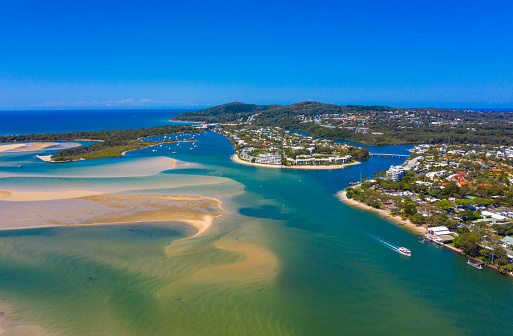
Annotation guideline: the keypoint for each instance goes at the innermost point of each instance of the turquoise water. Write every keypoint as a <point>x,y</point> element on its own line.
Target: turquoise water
<point>335,273</point>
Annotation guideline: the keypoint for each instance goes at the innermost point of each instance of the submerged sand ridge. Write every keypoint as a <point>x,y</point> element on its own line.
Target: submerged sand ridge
<point>27,196</point>
<point>221,257</point>
<point>112,209</point>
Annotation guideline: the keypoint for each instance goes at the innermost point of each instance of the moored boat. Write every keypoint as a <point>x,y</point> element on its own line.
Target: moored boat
<point>404,251</point>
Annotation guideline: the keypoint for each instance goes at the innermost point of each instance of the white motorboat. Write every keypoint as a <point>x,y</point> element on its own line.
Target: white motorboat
<point>404,251</point>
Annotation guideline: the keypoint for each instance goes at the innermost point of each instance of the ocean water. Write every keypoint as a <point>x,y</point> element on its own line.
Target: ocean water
<point>25,122</point>
<point>288,258</point>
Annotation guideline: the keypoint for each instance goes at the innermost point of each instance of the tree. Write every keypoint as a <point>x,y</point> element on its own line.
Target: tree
<point>427,209</point>
<point>462,230</point>
<point>450,224</point>
<point>504,230</point>
<point>464,202</point>
<point>468,215</point>
<point>444,204</point>
<point>468,242</point>
<point>482,201</point>
<point>451,189</point>
<point>499,252</point>
<point>434,192</point>
<point>418,219</point>
<point>410,209</point>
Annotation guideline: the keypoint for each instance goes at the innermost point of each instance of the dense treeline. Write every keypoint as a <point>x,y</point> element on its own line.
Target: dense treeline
<point>113,143</point>
<point>113,136</point>
<point>483,127</point>
<point>269,114</point>
<point>223,113</point>
<point>492,133</point>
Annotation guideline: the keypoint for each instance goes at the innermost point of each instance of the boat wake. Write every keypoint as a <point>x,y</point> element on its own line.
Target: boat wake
<point>384,243</point>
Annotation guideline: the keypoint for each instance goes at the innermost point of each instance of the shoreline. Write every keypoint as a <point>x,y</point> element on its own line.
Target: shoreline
<point>382,213</point>
<point>188,122</point>
<point>160,143</point>
<point>419,230</point>
<point>48,158</point>
<point>235,158</point>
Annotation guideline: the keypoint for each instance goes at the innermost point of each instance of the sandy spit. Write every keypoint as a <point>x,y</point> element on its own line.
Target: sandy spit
<point>24,196</point>
<point>34,146</point>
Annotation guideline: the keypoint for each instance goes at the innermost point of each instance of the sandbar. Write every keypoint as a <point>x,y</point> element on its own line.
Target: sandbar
<point>25,196</point>
<point>185,209</point>
<point>113,209</point>
<point>35,146</point>
<point>238,160</point>
<point>259,263</point>
<point>133,167</point>
<point>419,229</point>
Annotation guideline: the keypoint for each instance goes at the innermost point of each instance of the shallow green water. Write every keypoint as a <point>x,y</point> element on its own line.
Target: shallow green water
<point>335,275</point>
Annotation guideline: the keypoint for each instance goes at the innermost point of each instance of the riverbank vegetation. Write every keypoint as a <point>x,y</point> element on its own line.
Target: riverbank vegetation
<point>111,143</point>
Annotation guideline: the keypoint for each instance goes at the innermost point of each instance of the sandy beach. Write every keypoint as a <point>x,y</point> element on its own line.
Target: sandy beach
<point>27,196</point>
<point>383,213</point>
<point>238,160</point>
<point>35,146</point>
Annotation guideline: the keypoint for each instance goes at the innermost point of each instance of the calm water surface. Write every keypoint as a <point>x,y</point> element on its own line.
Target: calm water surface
<point>336,273</point>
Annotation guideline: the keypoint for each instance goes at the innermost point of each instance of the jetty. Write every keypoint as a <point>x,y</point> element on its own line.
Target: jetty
<point>478,265</point>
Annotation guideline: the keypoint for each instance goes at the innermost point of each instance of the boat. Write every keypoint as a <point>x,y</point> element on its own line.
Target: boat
<point>478,265</point>
<point>404,251</point>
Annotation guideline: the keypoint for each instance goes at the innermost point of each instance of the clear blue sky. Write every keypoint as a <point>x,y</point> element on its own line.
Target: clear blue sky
<point>97,54</point>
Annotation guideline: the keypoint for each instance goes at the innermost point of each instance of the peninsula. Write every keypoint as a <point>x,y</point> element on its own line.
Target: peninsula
<point>278,148</point>
<point>109,144</point>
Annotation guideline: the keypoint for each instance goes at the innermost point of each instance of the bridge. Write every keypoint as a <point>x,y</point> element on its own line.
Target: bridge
<point>389,155</point>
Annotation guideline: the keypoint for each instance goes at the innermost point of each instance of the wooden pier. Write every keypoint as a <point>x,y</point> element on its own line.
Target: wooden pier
<point>478,265</point>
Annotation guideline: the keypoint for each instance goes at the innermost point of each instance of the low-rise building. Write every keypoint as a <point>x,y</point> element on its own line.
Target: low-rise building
<point>268,159</point>
<point>497,217</point>
<point>440,233</point>
<point>395,173</point>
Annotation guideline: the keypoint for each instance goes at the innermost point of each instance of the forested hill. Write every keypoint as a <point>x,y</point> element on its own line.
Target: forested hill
<point>224,113</point>
<point>233,112</point>
<point>371,125</point>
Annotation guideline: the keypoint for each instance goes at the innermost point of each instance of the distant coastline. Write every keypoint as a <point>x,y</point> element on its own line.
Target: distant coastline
<point>238,160</point>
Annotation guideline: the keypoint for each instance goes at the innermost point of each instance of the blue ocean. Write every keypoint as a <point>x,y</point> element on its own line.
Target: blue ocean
<point>25,122</point>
